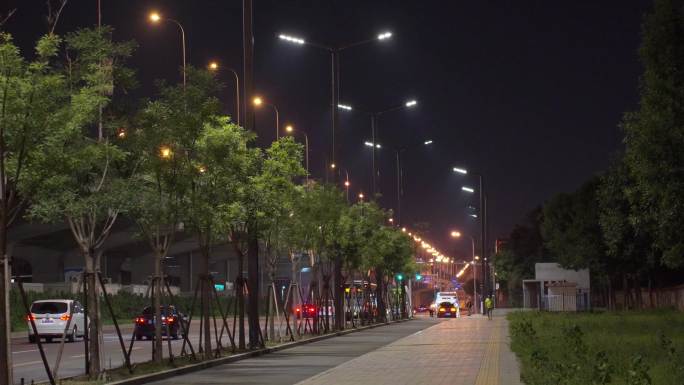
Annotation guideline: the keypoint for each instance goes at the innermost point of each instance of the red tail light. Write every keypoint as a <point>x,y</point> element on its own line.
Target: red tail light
<point>30,317</point>
<point>453,309</point>
<point>171,320</point>
<point>65,317</point>
<point>441,309</point>
<point>297,310</point>
<point>139,320</point>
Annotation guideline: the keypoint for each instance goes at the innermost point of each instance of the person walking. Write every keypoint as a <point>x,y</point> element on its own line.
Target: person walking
<point>469,305</point>
<point>489,305</point>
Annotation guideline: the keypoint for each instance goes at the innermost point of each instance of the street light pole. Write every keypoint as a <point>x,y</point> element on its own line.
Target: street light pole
<point>155,18</point>
<point>214,66</point>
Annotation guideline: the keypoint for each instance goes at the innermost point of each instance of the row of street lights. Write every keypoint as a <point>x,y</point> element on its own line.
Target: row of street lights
<point>335,51</point>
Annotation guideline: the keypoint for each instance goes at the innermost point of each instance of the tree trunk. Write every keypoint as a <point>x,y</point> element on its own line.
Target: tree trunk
<point>379,294</point>
<point>95,322</point>
<point>205,298</point>
<point>339,294</point>
<point>240,282</point>
<point>157,352</point>
<point>5,320</point>
<point>625,291</point>
<point>404,312</point>
<point>253,287</point>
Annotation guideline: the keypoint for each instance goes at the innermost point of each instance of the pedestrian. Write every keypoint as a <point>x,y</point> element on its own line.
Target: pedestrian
<point>489,305</point>
<point>469,305</point>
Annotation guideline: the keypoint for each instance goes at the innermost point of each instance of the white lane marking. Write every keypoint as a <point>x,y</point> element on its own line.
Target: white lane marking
<point>28,363</point>
<point>25,351</point>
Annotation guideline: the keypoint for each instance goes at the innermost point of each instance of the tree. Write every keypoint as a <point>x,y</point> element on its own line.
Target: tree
<point>30,95</point>
<point>166,127</point>
<point>523,249</point>
<point>571,229</point>
<point>219,166</point>
<point>318,215</point>
<point>654,134</point>
<point>82,177</point>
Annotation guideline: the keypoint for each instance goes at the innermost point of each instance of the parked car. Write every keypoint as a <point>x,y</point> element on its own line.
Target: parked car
<point>171,319</point>
<point>52,317</point>
<point>447,309</point>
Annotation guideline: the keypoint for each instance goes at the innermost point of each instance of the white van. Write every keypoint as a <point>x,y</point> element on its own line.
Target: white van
<point>51,317</point>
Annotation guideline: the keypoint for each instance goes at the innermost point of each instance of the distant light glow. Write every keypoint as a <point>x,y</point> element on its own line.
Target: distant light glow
<point>155,17</point>
<point>456,234</point>
<point>411,103</point>
<point>473,215</point>
<point>292,39</point>
<point>384,35</point>
<point>344,107</point>
<point>346,183</point>
<point>257,101</point>
<point>377,145</point>
<point>460,170</point>
<point>468,189</point>
<point>369,144</point>
<point>427,142</point>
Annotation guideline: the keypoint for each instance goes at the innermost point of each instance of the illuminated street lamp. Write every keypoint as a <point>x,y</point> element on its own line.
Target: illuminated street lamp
<point>156,18</point>
<point>457,234</point>
<point>165,152</point>
<point>258,102</point>
<point>335,75</point>
<point>290,130</point>
<point>214,66</point>
<point>483,222</point>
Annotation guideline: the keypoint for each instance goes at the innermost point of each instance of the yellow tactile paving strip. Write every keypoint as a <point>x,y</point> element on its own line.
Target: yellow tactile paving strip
<point>489,373</point>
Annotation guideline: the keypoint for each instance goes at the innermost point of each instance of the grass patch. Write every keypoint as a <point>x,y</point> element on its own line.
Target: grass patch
<point>634,348</point>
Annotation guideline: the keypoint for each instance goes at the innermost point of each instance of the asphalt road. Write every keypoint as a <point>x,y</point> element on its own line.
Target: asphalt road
<point>28,365</point>
<point>296,364</point>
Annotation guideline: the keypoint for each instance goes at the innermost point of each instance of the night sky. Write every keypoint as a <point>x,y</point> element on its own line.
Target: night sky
<point>528,93</point>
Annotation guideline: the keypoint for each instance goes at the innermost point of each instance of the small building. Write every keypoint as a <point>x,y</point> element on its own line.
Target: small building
<point>557,289</point>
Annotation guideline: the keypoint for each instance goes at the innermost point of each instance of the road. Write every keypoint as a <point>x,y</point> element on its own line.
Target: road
<point>27,363</point>
<point>470,350</point>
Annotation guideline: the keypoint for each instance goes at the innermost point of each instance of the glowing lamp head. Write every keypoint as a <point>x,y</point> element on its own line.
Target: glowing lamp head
<point>165,152</point>
<point>455,234</point>
<point>385,35</point>
<point>360,195</point>
<point>258,101</point>
<point>289,128</point>
<point>411,103</point>
<point>460,170</point>
<point>332,165</point>
<point>213,66</point>
<point>155,17</point>
<point>346,183</point>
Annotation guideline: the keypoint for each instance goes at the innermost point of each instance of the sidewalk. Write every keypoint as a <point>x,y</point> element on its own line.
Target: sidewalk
<point>466,351</point>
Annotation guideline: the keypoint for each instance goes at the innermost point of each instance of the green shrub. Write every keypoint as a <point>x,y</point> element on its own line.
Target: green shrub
<point>599,348</point>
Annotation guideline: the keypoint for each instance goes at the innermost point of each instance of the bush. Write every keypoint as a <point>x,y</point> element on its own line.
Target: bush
<point>599,348</point>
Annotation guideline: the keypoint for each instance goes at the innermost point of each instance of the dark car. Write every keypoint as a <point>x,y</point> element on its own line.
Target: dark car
<point>171,319</point>
<point>422,309</point>
<point>446,309</point>
<point>307,310</point>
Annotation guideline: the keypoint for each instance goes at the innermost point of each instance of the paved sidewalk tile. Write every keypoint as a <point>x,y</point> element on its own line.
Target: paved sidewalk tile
<point>465,351</point>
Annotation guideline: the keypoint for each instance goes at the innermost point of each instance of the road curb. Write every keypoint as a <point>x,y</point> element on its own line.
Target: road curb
<point>239,357</point>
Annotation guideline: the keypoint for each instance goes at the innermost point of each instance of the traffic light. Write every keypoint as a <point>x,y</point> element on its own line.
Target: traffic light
<point>418,277</point>
<point>400,277</point>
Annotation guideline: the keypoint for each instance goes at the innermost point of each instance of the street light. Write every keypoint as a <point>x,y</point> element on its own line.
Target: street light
<point>258,102</point>
<point>165,152</point>
<point>335,70</point>
<point>374,116</point>
<point>483,223</point>
<point>156,18</point>
<point>214,66</point>
<point>290,130</point>
<point>457,234</point>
